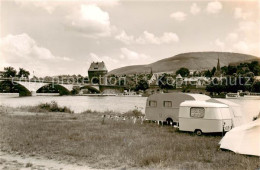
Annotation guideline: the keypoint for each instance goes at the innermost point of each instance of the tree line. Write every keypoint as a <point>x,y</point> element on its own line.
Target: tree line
<point>239,77</point>
<point>11,72</point>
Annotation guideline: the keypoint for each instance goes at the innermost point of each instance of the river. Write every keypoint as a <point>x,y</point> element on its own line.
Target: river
<point>81,103</point>
<point>249,108</point>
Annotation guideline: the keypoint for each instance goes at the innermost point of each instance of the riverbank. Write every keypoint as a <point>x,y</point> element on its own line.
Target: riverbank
<point>91,140</point>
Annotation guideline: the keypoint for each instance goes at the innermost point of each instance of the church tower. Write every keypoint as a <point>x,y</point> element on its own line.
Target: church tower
<point>218,70</point>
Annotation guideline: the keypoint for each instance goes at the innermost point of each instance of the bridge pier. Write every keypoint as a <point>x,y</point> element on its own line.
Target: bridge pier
<point>33,93</point>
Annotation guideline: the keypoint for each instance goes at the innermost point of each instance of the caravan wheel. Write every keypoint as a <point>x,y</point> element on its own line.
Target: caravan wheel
<point>198,132</point>
<point>169,121</point>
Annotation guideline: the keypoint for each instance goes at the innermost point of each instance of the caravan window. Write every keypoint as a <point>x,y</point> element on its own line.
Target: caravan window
<point>197,112</point>
<point>167,104</point>
<point>152,103</point>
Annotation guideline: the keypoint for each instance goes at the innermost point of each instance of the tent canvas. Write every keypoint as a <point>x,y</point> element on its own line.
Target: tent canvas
<point>243,139</point>
<point>235,110</point>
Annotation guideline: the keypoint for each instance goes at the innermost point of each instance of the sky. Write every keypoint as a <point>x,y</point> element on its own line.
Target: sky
<point>51,38</point>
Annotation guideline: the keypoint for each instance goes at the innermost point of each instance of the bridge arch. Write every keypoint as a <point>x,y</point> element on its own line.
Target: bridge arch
<point>62,90</point>
<point>90,88</point>
<point>13,87</point>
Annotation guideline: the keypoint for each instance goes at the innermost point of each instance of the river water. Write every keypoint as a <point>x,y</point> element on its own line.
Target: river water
<point>249,108</point>
<point>81,103</point>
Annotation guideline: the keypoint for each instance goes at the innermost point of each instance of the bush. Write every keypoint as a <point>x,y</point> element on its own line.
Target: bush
<point>256,87</point>
<point>89,111</point>
<point>49,107</point>
<point>134,113</point>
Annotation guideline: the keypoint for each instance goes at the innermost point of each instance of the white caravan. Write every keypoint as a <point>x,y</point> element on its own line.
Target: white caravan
<point>165,106</point>
<point>204,117</point>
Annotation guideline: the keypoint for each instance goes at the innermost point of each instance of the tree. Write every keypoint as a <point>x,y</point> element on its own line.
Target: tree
<point>23,73</point>
<point>9,72</point>
<point>142,85</point>
<point>215,86</point>
<point>213,71</point>
<point>224,70</point>
<point>75,90</point>
<point>231,70</point>
<point>256,87</point>
<point>166,81</point>
<point>184,72</point>
<point>254,67</point>
<point>207,73</point>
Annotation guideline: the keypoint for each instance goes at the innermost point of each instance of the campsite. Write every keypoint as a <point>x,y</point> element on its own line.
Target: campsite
<point>92,140</point>
<point>170,107</point>
<point>200,114</point>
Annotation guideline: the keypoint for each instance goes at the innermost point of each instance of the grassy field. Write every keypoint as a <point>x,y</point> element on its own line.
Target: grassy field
<point>89,139</point>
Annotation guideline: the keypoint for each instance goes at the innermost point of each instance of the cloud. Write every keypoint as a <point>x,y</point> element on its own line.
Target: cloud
<point>132,55</point>
<point>127,39</point>
<point>111,63</point>
<point>89,20</point>
<point>194,9</point>
<point>43,4</point>
<point>214,7</point>
<point>148,38</point>
<point>179,16</point>
<point>247,26</point>
<point>50,6</point>
<point>232,37</point>
<point>220,44</point>
<point>85,17</point>
<point>169,37</point>
<point>239,14</point>
<point>23,46</point>
<point>23,51</point>
<point>125,58</point>
<point>241,46</point>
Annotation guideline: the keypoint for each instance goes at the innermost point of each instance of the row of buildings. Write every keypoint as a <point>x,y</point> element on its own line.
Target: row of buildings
<point>98,69</point>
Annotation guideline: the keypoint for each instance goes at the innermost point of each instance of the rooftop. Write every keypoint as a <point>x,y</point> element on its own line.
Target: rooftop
<point>192,103</point>
<point>97,66</point>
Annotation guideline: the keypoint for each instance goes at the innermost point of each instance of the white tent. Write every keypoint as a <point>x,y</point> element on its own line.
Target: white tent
<point>243,139</point>
<point>235,110</point>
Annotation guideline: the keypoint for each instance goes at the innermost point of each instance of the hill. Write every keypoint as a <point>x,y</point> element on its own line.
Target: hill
<point>192,61</point>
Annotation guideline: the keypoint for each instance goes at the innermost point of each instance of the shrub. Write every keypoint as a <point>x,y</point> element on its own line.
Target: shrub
<point>88,111</point>
<point>256,87</point>
<point>28,165</point>
<point>134,113</point>
<point>48,107</point>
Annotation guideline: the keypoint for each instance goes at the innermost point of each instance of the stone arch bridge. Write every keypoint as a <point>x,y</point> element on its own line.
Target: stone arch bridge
<point>31,87</point>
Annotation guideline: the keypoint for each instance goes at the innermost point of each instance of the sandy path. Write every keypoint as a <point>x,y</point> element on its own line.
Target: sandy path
<point>15,162</point>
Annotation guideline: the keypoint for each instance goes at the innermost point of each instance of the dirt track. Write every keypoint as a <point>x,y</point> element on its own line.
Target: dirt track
<point>13,162</point>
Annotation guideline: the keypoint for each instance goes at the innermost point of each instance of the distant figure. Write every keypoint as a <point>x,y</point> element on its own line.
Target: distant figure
<point>134,120</point>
